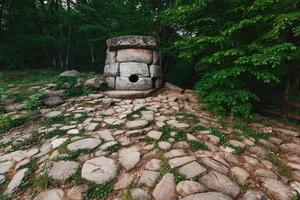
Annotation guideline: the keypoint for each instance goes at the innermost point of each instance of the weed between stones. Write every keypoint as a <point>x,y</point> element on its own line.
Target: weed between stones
<point>166,132</point>
<point>165,168</point>
<point>283,169</point>
<point>198,145</point>
<point>136,112</point>
<point>99,191</point>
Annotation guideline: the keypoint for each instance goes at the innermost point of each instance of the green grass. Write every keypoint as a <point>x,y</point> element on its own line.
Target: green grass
<point>129,116</point>
<point>198,145</point>
<point>126,195</point>
<point>115,126</point>
<point>99,191</point>
<point>166,132</point>
<point>220,135</point>
<point>114,148</point>
<point>7,122</point>
<point>55,133</point>
<point>282,168</point>
<point>33,140</point>
<point>180,136</point>
<point>35,101</point>
<point>41,182</point>
<point>165,168</point>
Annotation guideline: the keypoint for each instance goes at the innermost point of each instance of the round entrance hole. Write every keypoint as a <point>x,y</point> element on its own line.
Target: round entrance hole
<point>133,78</point>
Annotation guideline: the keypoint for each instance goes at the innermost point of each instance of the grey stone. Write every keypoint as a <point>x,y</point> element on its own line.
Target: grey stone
<point>153,165</point>
<point>54,194</point>
<point>254,195</point>
<point>221,183</point>
<point>237,143</point>
<point>111,69</point>
<point>15,181</point>
<point>94,83</point>
<point>159,83</point>
<point>178,162</point>
<point>291,147</point>
<point>123,181</point>
<point>156,58</point>
<point>88,143</point>
<point>155,71</point>
<point>139,194</point>
<point>164,145</point>
<point>53,101</point>
<point>5,167</point>
<point>129,158</point>
<point>62,170</point>
<point>286,132</point>
<point>136,124</point>
<point>192,169</point>
<point>165,189</point>
<point>149,178</point>
<point>129,94</point>
<point>215,165</point>
<point>111,82</point>
<point>265,173</point>
<point>70,73</point>
<point>134,55</point>
<point>185,188</point>
<point>111,57</point>
<point>129,68</point>
<point>77,192</point>
<point>91,126</point>
<point>53,114</point>
<point>123,83</point>
<point>131,41</point>
<point>174,153</point>
<point>2,179</point>
<point>99,170</point>
<point>208,196</point>
<point>241,174</point>
<point>277,189</point>
<point>154,134</point>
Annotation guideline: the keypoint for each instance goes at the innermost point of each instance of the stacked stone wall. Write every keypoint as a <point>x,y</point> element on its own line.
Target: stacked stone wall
<point>133,63</point>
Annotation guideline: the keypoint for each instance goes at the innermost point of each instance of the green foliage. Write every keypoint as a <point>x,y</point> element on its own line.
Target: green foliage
<point>220,135</point>
<point>7,122</point>
<point>99,191</point>
<point>32,140</point>
<point>165,168</point>
<point>180,136</point>
<point>166,132</point>
<point>61,80</point>
<point>198,145</point>
<point>138,111</point>
<point>233,63</point>
<point>114,148</point>
<point>35,101</point>
<point>41,182</point>
<point>78,91</point>
<point>282,168</point>
<point>115,126</point>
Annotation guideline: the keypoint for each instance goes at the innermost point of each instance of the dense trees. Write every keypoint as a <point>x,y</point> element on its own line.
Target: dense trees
<point>237,50</point>
<point>239,47</point>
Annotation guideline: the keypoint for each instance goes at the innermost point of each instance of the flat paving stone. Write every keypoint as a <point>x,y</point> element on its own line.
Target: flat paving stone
<point>216,181</point>
<point>54,194</point>
<point>99,170</point>
<point>192,169</point>
<point>15,182</point>
<point>218,166</point>
<point>165,189</point>
<point>149,178</point>
<point>129,158</point>
<point>136,124</point>
<point>186,188</point>
<point>62,170</point>
<point>178,162</point>
<point>278,189</point>
<point>208,196</point>
<point>88,143</point>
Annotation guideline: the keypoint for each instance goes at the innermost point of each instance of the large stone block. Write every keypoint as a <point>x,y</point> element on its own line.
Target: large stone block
<point>111,69</point>
<point>134,55</point>
<point>159,83</point>
<point>131,68</point>
<point>155,71</point>
<point>111,57</point>
<point>131,41</point>
<point>123,83</point>
<point>111,81</point>
<point>156,58</point>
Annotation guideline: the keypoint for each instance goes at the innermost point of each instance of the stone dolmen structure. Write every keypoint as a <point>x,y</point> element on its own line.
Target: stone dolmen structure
<point>133,65</point>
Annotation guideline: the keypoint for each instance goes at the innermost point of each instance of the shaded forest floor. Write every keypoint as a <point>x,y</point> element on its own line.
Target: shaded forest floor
<point>61,140</point>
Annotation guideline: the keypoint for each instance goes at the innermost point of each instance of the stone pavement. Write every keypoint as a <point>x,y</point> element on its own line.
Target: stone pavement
<point>161,147</point>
